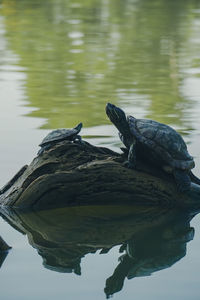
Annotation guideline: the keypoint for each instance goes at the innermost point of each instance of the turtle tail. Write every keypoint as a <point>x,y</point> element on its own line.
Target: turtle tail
<point>194,178</point>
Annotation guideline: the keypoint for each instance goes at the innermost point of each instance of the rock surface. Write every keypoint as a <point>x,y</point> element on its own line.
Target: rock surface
<point>71,174</point>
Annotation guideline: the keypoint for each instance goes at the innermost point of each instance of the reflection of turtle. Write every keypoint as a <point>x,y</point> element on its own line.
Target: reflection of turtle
<point>159,142</point>
<point>59,135</point>
<point>151,250</point>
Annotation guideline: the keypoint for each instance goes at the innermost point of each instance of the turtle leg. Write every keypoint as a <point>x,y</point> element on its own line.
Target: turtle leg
<point>182,179</point>
<point>43,149</point>
<point>78,138</point>
<point>131,163</point>
<point>194,178</point>
<point>105,250</point>
<point>124,150</point>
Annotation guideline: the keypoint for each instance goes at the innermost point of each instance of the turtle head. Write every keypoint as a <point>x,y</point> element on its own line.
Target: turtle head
<point>117,117</point>
<point>78,127</point>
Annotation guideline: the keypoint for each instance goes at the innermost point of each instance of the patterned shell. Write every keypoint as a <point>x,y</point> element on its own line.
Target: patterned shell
<point>59,135</point>
<point>162,139</point>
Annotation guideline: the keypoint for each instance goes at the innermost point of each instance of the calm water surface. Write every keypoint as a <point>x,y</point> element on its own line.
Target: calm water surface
<point>60,62</point>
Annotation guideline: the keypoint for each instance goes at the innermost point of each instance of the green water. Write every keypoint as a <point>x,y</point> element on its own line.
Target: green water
<point>77,55</point>
<point>61,61</point>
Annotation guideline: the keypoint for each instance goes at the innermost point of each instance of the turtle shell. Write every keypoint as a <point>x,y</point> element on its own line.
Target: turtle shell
<point>61,134</point>
<point>166,142</point>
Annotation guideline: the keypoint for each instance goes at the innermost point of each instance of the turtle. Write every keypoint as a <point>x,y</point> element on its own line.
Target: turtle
<point>59,135</point>
<point>156,142</point>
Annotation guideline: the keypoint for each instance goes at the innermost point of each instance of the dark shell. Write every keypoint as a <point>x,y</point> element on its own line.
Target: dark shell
<point>163,140</point>
<point>61,134</point>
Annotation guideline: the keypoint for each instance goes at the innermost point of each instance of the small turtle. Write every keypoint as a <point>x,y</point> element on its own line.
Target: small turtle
<point>156,142</point>
<point>59,135</point>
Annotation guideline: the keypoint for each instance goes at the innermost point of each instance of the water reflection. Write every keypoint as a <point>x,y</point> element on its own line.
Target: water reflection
<point>3,255</point>
<point>152,239</point>
<point>151,250</point>
<point>77,55</point>
<point>4,248</point>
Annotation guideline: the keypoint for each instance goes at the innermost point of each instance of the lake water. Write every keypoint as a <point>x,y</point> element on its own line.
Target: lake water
<point>60,63</point>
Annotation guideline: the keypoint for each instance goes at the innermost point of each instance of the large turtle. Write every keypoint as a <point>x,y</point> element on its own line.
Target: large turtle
<point>59,135</point>
<point>156,142</point>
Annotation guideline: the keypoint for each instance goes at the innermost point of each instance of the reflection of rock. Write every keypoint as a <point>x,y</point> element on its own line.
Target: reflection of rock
<point>3,250</point>
<point>154,238</point>
<point>3,245</point>
<point>63,236</point>
<point>3,255</point>
<point>73,174</point>
<point>152,250</point>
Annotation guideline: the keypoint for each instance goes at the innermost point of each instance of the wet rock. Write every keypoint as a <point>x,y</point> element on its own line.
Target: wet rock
<point>71,174</point>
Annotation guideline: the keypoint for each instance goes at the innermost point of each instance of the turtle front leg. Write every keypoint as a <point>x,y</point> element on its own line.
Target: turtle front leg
<point>182,180</point>
<point>194,178</point>
<point>78,139</point>
<point>131,163</point>
<point>43,149</point>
